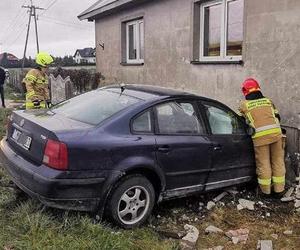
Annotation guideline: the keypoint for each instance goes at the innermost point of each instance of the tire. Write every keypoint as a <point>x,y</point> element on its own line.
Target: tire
<point>131,201</point>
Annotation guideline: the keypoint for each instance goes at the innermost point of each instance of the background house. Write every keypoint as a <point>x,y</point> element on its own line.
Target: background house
<point>85,56</point>
<point>205,46</point>
<point>8,60</point>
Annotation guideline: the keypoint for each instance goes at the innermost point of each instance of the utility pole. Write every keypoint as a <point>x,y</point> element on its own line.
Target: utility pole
<point>32,13</point>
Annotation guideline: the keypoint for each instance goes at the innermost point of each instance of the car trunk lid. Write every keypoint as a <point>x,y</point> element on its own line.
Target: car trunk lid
<point>28,132</point>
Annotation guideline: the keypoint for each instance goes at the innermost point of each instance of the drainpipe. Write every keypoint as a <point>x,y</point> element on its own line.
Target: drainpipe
<point>298,153</point>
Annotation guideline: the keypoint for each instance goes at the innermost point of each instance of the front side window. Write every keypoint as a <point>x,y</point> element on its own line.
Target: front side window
<point>135,41</point>
<point>223,121</point>
<point>221,30</point>
<point>178,118</point>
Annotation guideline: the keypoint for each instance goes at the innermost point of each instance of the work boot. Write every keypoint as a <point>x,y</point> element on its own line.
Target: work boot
<point>278,195</point>
<point>261,195</point>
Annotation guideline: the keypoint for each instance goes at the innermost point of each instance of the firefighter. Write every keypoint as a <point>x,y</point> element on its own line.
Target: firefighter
<point>36,82</point>
<point>268,140</point>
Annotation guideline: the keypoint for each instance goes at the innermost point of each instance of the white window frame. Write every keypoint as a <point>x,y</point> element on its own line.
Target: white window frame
<point>137,41</point>
<point>223,41</point>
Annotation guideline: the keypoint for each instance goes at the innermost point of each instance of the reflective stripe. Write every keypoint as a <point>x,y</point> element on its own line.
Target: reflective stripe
<point>267,132</point>
<point>264,102</point>
<point>249,116</point>
<point>30,105</point>
<point>278,180</point>
<point>264,181</point>
<point>30,94</point>
<point>266,127</point>
<point>30,78</point>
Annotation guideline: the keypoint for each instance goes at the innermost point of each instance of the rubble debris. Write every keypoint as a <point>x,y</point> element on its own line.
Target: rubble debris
<point>239,207</point>
<point>289,192</point>
<point>189,241</point>
<point>201,205</point>
<point>287,199</point>
<point>210,205</point>
<point>247,204</point>
<point>288,232</point>
<point>239,235</point>
<point>274,236</point>
<point>265,245</point>
<point>185,217</point>
<point>213,229</point>
<point>232,191</point>
<point>171,234</point>
<point>297,204</point>
<point>220,197</point>
<point>268,214</point>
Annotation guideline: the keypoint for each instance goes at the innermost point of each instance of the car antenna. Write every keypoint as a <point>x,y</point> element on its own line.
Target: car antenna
<point>122,86</point>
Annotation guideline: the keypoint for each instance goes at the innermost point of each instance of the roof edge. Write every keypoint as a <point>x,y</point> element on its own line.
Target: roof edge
<point>91,14</point>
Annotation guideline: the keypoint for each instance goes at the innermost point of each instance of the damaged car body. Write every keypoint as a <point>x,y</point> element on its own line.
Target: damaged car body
<point>120,150</point>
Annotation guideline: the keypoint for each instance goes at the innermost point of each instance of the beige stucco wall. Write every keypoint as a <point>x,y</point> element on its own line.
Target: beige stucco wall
<point>271,53</point>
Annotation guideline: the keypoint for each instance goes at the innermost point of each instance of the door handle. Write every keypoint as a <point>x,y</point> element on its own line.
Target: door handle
<point>164,149</point>
<point>217,147</point>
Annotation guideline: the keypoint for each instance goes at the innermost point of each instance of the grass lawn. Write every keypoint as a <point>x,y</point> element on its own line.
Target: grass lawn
<point>27,224</point>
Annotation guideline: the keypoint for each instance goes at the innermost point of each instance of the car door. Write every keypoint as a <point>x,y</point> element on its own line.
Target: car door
<point>183,149</point>
<point>233,157</point>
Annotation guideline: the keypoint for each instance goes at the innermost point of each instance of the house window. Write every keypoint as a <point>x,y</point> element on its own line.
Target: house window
<point>221,30</point>
<point>135,41</point>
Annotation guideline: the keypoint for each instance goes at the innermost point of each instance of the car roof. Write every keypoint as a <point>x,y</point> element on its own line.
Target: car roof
<point>149,91</point>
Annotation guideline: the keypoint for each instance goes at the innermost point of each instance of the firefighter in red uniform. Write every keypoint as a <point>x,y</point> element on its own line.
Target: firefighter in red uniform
<point>268,140</point>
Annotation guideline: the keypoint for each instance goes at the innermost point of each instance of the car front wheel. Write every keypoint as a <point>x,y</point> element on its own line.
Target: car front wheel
<point>131,201</point>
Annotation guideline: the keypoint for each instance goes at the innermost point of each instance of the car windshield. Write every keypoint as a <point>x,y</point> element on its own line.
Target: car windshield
<point>95,106</point>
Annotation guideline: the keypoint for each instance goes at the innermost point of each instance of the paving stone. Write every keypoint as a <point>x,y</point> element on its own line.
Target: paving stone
<point>265,245</point>
<point>239,235</point>
<point>189,241</point>
<point>247,204</point>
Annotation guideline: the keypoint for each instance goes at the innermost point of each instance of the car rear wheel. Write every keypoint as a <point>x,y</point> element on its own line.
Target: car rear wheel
<point>131,201</point>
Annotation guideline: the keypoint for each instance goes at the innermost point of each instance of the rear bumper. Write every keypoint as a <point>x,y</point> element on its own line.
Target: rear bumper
<point>51,186</point>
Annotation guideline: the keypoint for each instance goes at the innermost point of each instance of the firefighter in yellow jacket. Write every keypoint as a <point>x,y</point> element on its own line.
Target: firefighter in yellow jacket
<point>261,114</point>
<point>36,81</point>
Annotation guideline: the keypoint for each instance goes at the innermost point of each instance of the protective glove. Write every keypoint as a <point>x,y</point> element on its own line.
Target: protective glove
<point>36,103</point>
<point>49,104</point>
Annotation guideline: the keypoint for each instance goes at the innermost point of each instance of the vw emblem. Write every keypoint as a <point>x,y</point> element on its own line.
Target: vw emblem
<point>22,122</point>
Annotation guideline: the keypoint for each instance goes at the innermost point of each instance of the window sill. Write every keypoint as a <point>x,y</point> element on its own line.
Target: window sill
<point>240,62</point>
<point>131,64</point>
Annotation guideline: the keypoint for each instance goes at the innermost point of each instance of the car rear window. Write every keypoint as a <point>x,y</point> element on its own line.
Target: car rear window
<point>95,106</point>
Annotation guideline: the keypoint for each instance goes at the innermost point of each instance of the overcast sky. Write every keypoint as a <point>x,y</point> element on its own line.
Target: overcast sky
<point>60,31</point>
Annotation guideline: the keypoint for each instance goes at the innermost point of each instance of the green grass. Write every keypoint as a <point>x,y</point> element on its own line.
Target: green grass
<point>26,224</point>
<point>11,94</point>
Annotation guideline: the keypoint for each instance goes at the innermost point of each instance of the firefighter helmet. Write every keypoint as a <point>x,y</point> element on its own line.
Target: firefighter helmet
<point>43,59</point>
<point>250,85</point>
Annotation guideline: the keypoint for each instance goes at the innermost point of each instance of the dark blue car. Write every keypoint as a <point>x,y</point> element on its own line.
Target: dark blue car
<point>120,149</point>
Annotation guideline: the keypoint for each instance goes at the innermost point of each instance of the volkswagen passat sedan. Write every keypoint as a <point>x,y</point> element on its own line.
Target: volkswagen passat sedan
<point>120,149</point>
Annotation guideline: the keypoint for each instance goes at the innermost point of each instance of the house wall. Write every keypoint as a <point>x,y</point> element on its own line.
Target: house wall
<point>271,53</point>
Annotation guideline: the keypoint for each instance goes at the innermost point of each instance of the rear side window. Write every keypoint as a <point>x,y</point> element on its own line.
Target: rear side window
<point>223,121</point>
<point>142,124</point>
<point>95,106</point>
<point>178,118</point>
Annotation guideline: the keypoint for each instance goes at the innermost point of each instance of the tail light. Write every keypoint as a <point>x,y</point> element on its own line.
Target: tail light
<point>56,155</point>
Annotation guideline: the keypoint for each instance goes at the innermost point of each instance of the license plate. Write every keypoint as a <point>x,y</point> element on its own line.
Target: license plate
<point>16,134</point>
<point>23,140</point>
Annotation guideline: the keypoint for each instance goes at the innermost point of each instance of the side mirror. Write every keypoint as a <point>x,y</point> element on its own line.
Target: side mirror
<point>250,130</point>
